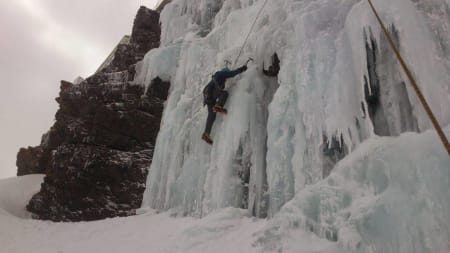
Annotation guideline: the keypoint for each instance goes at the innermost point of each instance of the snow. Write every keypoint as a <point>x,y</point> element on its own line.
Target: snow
<point>269,151</point>
<point>78,80</point>
<point>227,230</point>
<point>16,192</point>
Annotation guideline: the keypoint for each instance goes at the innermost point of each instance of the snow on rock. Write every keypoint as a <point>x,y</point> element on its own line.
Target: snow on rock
<point>78,80</point>
<point>338,88</point>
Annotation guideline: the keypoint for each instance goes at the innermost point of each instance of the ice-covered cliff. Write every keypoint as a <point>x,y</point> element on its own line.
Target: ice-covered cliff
<point>338,90</point>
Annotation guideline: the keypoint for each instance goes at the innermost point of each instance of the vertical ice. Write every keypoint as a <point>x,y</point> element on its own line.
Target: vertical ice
<point>338,88</point>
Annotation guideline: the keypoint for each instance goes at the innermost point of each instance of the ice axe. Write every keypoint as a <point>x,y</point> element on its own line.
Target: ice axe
<point>249,60</point>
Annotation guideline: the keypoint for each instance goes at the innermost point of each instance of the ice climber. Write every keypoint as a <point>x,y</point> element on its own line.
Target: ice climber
<point>215,96</point>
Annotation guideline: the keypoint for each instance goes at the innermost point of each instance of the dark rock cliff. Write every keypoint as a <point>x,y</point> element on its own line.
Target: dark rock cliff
<point>97,154</point>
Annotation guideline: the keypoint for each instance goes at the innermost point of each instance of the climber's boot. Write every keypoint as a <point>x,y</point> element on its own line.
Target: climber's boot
<point>220,109</point>
<point>207,138</point>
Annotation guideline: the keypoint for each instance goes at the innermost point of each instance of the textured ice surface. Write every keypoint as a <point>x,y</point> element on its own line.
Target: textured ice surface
<point>390,195</point>
<point>283,134</point>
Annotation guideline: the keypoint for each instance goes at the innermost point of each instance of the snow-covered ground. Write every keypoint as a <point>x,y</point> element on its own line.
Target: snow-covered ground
<point>227,230</point>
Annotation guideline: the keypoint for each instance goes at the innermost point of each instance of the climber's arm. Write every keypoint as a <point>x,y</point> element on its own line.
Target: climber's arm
<point>233,73</point>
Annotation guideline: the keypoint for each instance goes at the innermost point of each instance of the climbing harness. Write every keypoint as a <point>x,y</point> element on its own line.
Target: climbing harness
<point>413,81</point>
<point>250,31</point>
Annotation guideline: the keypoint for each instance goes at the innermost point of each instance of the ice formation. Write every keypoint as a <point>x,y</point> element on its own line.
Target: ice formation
<point>339,88</point>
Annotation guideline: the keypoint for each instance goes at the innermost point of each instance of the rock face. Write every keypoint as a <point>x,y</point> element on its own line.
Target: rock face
<point>28,161</point>
<point>97,154</point>
<point>145,36</point>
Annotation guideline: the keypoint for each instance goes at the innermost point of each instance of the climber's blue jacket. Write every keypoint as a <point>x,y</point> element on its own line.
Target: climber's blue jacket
<point>218,83</point>
<point>221,76</point>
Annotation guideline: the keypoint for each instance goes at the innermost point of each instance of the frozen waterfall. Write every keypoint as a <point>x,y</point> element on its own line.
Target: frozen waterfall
<point>303,147</point>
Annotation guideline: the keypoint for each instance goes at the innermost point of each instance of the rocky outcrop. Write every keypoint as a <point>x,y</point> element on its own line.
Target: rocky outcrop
<point>28,161</point>
<point>97,154</point>
<point>145,35</point>
<point>145,26</point>
<point>274,69</point>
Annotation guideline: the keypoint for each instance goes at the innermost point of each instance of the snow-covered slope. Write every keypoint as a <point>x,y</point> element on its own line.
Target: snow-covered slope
<point>228,230</point>
<point>15,194</point>
<point>339,87</point>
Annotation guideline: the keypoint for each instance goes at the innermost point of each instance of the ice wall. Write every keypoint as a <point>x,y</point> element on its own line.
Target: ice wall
<point>338,88</point>
<point>390,195</point>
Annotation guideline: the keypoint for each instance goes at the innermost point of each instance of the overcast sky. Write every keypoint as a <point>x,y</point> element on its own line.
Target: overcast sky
<point>41,43</point>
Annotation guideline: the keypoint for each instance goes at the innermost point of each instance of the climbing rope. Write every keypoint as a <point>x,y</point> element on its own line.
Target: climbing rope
<point>250,31</point>
<point>413,81</point>
<point>160,4</point>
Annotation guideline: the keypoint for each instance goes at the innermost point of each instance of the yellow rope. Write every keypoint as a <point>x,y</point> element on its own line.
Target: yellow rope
<point>413,82</point>
<point>160,5</point>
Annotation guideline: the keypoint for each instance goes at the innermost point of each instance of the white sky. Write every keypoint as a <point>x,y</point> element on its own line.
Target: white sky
<point>41,43</point>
